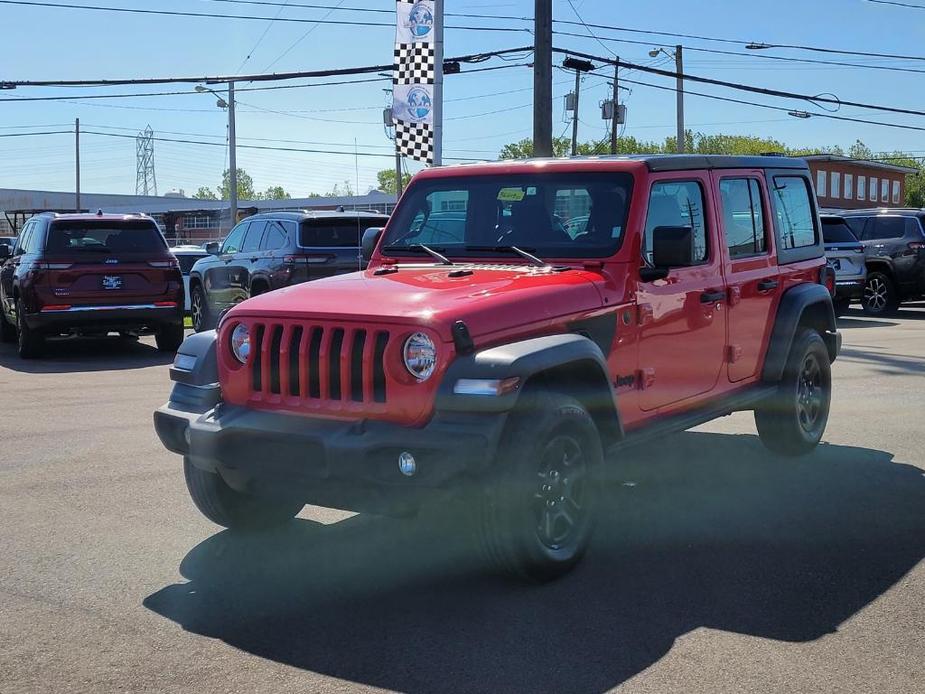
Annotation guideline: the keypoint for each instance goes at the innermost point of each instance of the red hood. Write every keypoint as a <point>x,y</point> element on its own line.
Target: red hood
<point>489,300</point>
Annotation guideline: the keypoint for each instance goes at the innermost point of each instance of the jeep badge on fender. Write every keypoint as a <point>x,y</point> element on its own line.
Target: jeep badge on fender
<point>517,324</point>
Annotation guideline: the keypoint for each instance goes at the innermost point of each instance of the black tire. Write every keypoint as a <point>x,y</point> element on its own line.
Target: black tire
<point>200,314</point>
<point>537,511</point>
<point>169,337</point>
<point>30,343</point>
<point>880,298</point>
<point>257,289</point>
<point>231,509</point>
<point>841,306</point>
<point>792,423</point>
<point>7,329</point>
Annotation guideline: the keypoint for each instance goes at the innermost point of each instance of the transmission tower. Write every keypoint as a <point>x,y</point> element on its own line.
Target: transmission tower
<point>145,180</point>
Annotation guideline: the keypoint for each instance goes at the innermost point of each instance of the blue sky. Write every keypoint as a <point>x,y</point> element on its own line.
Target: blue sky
<point>482,111</point>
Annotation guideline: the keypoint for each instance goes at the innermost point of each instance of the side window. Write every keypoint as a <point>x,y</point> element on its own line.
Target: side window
<point>253,236</point>
<point>23,239</point>
<point>886,228</point>
<point>743,217</point>
<point>233,241</point>
<point>857,223</point>
<point>677,204</point>
<point>794,210</point>
<point>275,237</point>
<point>36,234</point>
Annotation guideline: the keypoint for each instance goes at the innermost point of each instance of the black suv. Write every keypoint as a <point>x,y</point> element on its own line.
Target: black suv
<point>894,248</point>
<point>274,250</point>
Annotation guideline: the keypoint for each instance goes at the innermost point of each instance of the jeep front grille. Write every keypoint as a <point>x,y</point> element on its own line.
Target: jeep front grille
<point>317,367</point>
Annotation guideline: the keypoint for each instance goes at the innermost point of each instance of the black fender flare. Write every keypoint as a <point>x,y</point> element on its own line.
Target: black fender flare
<point>571,363</point>
<point>807,305</point>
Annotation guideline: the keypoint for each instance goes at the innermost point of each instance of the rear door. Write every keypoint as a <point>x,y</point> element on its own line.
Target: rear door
<point>843,252</point>
<point>247,261</point>
<point>221,277</point>
<point>9,272</point>
<point>275,264</point>
<point>896,240</point>
<point>106,262</point>
<point>750,267</point>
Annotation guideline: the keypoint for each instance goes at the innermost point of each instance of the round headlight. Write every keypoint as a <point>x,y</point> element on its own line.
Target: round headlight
<point>420,356</point>
<point>241,342</point>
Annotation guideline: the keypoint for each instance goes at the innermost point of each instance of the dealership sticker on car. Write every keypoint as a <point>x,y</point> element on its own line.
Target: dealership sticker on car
<point>112,282</point>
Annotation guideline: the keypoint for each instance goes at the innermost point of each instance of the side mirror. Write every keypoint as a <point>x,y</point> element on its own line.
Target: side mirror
<point>212,248</point>
<point>370,238</point>
<point>673,247</point>
<point>5,251</point>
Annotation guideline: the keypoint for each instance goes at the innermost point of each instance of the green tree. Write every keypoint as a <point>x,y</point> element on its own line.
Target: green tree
<point>275,193</point>
<point>205,193</point>
<point>245,185</point>
<point>386,179</point>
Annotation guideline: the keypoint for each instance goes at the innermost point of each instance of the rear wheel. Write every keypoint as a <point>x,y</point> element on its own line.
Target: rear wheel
<point>223,505</point>
<point>879,295</point>
<point>841,306</point>
<point>30,343</point>
<point>793,421</point>
<point>537,512</point>
<point>199,309</point>
<point>169,337</point>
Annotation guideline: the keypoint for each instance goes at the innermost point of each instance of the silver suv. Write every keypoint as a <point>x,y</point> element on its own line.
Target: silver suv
<point>844,254</point>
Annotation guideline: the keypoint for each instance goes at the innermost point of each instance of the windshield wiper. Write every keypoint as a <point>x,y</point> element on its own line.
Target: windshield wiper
<point>421,248</point>
<point>510,249</point>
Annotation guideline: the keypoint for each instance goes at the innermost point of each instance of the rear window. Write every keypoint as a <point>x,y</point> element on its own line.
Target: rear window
<point>332,233</point>
<point>836,231</point>
<point>104,237</point>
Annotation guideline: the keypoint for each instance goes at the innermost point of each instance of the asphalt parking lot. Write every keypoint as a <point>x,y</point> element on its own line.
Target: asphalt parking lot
<point>717,567</point>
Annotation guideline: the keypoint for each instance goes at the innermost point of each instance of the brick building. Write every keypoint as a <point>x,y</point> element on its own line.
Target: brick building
<point>845,183</point>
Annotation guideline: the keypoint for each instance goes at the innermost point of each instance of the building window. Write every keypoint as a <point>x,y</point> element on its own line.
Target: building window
<point>895,192</point>
<point>197,222</point>
<point>872,188</point>
<point>884,190</point>
<point>862,187</point>
<point>835,191</point>
<point>849,186</point>
<point>820,183</point>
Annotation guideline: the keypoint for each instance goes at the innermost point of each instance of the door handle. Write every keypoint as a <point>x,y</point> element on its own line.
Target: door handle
<point>767,285</point>
<point>254,260</point>
<point>712,297</point>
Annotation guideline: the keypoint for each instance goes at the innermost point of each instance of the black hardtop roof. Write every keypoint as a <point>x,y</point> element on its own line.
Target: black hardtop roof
<point>319,214</point>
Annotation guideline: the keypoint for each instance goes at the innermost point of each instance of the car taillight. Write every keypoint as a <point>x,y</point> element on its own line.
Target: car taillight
<point>165,304</point>
<point>827,278</point>
<point>55,307</point>
<point>165,263</point>
<point>916,246</point>
<point>53,266</point>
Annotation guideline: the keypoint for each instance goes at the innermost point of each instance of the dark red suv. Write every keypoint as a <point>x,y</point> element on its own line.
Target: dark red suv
<point>89,274</point>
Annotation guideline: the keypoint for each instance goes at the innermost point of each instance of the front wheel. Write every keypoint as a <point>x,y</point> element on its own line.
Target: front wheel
<point>792,422</point>
<point>169,337</point>
<point>229,508</point>
<point>199,309</point>
<point>7,329</point>
<point>879,295</point>
<point>537,512</point>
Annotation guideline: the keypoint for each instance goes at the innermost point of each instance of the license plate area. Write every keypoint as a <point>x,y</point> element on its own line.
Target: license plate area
<point>835,263</point>
<point>111,282</point>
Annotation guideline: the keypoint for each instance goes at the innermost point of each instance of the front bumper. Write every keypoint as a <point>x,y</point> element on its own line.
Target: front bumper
<point>347,465</point>
<point>122,317</point>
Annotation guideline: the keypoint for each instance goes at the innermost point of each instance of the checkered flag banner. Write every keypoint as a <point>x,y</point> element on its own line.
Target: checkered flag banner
<point>416,78</point>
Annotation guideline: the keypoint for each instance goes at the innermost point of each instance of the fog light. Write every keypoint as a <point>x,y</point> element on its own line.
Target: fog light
<point>406,464</point>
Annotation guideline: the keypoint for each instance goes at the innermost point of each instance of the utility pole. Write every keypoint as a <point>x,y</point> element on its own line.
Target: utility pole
<point>614,121</point>
<point>398,180</point>
<point>679,68</point>
<point>232,158</point>
<point>542,79</point>
<point>77,162</point>
<point>575,113</point>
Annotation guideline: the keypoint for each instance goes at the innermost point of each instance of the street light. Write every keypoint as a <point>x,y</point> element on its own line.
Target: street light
<point>232,147</point>
<point>679,69</point>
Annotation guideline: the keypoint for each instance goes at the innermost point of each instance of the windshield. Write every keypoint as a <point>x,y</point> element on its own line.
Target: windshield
<point>105,237</point>
<point>580,215</point>
<point>837,231</point>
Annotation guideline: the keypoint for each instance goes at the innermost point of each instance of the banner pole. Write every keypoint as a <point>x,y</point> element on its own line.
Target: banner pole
<point>438,82</point>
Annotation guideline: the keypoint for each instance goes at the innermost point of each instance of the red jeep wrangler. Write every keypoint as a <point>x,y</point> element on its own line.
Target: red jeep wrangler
<point>517,323</point>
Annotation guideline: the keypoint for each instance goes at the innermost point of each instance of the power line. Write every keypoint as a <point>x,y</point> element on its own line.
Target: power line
<point>898,4</point>
<point>266,31</point>
<point>813,99</point>
<point>370,10</point>
<point>301,38</point>
<point>740,42</point>
<point>259,77</point>
<point>212,15</point>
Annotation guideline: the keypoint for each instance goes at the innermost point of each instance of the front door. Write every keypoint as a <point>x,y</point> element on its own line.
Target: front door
<point>682,318</point>
<point>221,276</point>
<point>751,270</point>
